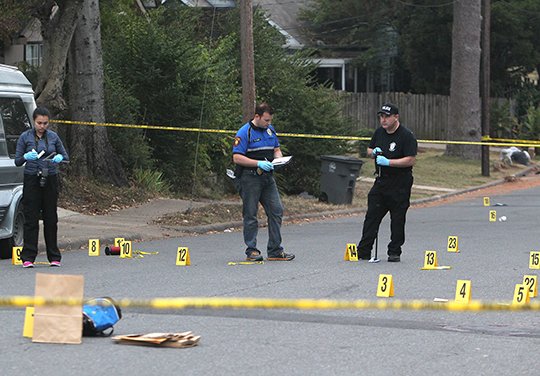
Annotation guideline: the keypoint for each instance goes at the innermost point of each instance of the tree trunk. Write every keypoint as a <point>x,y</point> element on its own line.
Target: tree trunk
<point>57,27</point>
<point>464,111</point>
<point>91,152</point>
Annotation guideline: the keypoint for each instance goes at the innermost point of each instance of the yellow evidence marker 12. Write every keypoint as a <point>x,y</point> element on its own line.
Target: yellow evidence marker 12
<point>521,294</point>
<point>182,257</point>
<point>351,254</point>
<point>534,260</point>
<point>385,287</point>
<point>126,250</point>
<point>531,281</point>
<point>463,291</point>
<point>452,244</point>
<point>93,247</point>
<point>16,256</point>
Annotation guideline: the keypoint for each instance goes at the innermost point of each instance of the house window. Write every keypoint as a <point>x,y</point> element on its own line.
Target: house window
<point>33,54</point>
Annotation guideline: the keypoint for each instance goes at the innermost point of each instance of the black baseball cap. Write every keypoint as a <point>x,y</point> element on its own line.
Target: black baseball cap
<point>388,109</point>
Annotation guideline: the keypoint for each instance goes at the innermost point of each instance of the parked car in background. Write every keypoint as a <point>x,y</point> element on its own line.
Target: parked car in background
<point>16,107</point>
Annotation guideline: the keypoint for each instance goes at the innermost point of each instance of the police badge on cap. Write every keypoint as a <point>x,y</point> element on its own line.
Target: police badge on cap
<point>388,109</point>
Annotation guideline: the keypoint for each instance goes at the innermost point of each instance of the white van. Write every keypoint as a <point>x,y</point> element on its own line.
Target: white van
<point>16,107</point>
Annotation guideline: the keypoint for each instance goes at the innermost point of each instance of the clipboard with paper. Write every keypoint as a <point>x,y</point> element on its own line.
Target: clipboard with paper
<point>281,161</point>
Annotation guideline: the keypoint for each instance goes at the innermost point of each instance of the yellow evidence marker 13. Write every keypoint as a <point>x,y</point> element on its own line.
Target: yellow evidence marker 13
<point>463,291</point>
<point>493,215</point>
<point>93,247</point>
<point>385,287</point>
<point>351,254</point>
<point>182,257</point>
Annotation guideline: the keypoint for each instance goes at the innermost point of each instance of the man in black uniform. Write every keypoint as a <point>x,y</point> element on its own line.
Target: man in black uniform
<point>394,148</point>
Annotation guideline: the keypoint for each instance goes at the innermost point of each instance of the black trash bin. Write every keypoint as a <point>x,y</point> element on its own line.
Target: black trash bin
<point>338,178</point>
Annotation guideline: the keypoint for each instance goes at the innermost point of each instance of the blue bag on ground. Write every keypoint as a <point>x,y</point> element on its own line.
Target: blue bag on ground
<point>100,314</point>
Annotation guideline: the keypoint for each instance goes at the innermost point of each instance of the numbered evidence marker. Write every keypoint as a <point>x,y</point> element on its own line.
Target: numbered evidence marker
<point>531,281</point>
<point>463,291</point>
<point>28,328</point>
<point>486,201</point>
<point>118,241</point>
<point>126,250</point>
<point>453,244</point>
<point>93,247</point>
<point>493,215</point>
<point>182,257</point>
<point>385,288</point>
<point>534,260</point>
<point>351,254</point>
<point>431,263</point>
<point>16,256</point>
<point>521,294</point>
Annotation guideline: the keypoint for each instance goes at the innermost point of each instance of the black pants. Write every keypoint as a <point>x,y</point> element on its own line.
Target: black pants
<point>388,194</point>
<point>40,201</point>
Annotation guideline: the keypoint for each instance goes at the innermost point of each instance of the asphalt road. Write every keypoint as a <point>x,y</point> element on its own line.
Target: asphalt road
<point>494,256</point>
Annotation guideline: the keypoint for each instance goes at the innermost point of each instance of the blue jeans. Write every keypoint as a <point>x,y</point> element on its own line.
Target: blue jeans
<point>253,189</point>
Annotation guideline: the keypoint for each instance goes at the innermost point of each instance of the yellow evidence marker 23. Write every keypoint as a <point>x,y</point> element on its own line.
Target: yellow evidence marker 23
<point>182,257</point>
<point>531,281</point>
<point>126,250</point>
<point>463,291</point>
<point>452,244</point>
<point>534,260</point>
<point>385,287</point>
<point>351,254</point>
<point>16,256</point>
<point>93,247</point>
<point>521,294</point>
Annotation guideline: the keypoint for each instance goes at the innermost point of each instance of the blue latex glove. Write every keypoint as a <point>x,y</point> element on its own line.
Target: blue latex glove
<point>31,155</point>
<point>383,161</point>
<point>376,151</point>
<point>58,158</point>
<point>265,165</point>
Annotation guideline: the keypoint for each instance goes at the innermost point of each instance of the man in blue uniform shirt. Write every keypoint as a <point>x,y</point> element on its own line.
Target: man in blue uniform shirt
<point>255,146</point>
<point>394,148</point>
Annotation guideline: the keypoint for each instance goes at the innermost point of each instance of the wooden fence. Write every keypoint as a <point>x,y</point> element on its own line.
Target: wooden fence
<point>426,115</point>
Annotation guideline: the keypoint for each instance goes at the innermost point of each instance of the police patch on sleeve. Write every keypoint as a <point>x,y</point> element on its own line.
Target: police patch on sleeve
<point>236,141</point>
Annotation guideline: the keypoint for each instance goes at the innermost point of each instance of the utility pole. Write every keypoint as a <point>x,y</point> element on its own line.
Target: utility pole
<point>247,59</point>
<point>485,79</point>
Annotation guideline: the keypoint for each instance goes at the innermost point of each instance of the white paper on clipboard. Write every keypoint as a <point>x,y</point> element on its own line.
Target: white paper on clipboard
<point>281,161</point>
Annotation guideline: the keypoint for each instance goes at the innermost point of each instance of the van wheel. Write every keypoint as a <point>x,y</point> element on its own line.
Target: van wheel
<point>6,245</point>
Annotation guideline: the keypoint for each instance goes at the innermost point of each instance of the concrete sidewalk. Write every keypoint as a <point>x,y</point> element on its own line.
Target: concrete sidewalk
<point>136,223</point>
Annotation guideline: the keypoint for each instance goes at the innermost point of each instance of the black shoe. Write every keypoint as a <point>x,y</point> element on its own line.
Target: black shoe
<point>364,257</point>
<point>281,257</point>
<point>254,256</point>
<point>394,258</point>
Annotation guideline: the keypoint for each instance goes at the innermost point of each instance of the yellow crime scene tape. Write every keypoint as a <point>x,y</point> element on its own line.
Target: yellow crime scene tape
<point>299,304</point>
<point>485,140</point>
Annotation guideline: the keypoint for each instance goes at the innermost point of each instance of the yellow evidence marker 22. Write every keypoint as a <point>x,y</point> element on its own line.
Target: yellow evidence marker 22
<point>351,254</point>
<point>126,250</point>
<point>463,291</point>
<point>521,294</point>
<point>531,281</point>
<point>452,244</point>
<point>16,256</point>
<point>93,247</point>
<point>385,287</point>
<point>182,257</point>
